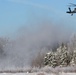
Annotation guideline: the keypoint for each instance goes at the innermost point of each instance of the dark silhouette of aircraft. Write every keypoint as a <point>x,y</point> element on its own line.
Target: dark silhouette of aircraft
<point>71,11</point>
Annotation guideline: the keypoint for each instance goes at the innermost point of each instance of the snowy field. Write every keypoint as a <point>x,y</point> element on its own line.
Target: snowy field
<point>37,74</point>
<point>41,71</point>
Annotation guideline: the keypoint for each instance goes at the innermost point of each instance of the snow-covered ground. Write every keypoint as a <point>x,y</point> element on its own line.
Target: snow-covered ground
<point>70,70</point>
<point>37,74</point>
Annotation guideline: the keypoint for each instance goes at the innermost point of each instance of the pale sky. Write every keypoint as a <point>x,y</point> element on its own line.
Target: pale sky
<point>17,13</point>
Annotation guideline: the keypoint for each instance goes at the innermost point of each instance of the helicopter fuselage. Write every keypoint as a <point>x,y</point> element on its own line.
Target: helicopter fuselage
<point>71,12</point>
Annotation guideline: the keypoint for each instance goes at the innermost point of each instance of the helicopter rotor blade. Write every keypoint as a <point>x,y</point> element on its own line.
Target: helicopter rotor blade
<point>71,4</point>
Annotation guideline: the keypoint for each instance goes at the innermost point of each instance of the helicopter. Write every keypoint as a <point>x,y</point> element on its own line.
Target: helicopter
<point>71,11</point>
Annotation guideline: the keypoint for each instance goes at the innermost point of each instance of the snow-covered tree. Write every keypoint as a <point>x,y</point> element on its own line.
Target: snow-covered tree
<point>61,57</point>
